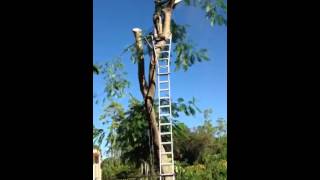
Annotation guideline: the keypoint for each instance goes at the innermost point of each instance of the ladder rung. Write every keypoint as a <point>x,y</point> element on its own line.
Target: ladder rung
<point>164,106</point>
<point>165,124</point>
<point>164,51</point>
<point>166,164</point>
<point>166,44</point>
<point>166,142</point>
<point>165,97</point>
<point>164,66</point>
<point>167,73</point>
<point>164,115</point>
<point>163,45</point>
<point>163,58</point>
<point>163,81</point>
<point>167,174</point>
<point>165,133</point>
<point>166,152</point>
<point>163,89</point>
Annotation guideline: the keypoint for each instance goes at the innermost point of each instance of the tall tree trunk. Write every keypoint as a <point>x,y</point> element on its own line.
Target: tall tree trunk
<point>148,90</point>
<point>151,111</point>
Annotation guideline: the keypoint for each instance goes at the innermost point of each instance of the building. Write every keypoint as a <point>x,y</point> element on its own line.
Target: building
<point>96,165</point>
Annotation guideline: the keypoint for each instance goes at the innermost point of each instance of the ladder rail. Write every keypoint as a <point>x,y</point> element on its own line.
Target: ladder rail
<point>168,114</point>
<point>169,93</point>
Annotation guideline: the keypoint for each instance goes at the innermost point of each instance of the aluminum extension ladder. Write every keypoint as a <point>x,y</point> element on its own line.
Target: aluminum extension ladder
<point>164,109</point>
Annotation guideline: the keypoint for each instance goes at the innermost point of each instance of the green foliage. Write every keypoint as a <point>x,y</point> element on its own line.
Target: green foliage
<point>113,113</point>
<point>185,51</point>
<point>115,78</point>
<point>193,172</point>
<point>133,139</point>
<point>98,136</point>
<point>179,32</point>
<point>207,114</point>
<point>201,154</point>
<point>116,113</point>
<point>181,137</point>
<point>221,128</point>
<point>112,168</point>
<point>215,10</point>
<point>187,55</point>
<point>129,129</point>
<point>189,108</point>
<point>134,56</point>
<point>213,170</point>
<point>95,69</point>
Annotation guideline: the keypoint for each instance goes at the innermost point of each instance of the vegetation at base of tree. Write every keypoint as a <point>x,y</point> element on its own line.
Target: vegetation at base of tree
<point>200,152</point>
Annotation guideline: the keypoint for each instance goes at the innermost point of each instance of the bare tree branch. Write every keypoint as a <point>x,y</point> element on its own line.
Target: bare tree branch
<point>139,47</point>
<point>167,22</point>
<point>171,3</point>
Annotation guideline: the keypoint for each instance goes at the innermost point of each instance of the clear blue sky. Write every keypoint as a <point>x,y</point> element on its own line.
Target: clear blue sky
<point>207,81</point>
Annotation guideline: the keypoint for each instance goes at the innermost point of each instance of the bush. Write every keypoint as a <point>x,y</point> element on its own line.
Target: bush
<point>113,169</point>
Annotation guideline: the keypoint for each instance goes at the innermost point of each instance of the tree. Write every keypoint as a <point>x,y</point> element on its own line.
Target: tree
<point>162,31</point>
<point>185,52</point>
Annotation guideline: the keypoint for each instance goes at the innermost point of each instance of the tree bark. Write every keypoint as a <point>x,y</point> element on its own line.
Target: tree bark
<point>147,92</point>
<point>140,58</point>
<point>167,23</point>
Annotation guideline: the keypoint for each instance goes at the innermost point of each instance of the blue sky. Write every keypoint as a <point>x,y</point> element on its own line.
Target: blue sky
<point>207,81</point>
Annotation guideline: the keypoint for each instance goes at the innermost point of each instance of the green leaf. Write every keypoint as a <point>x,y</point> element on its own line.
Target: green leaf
<point>116,84</point>
<point>212,21</point>
<point>182,107</point>
<point>193,100</point>
<point>102,117</point>
<point>187,2</point>
<point>199,110</point>
<point>192,111</point>
<point>187,54</point>
<point>180,100</point>
<point>192,60</point>
<point>212,9</point>
<point>208,8</point>
<point>95,69</point>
